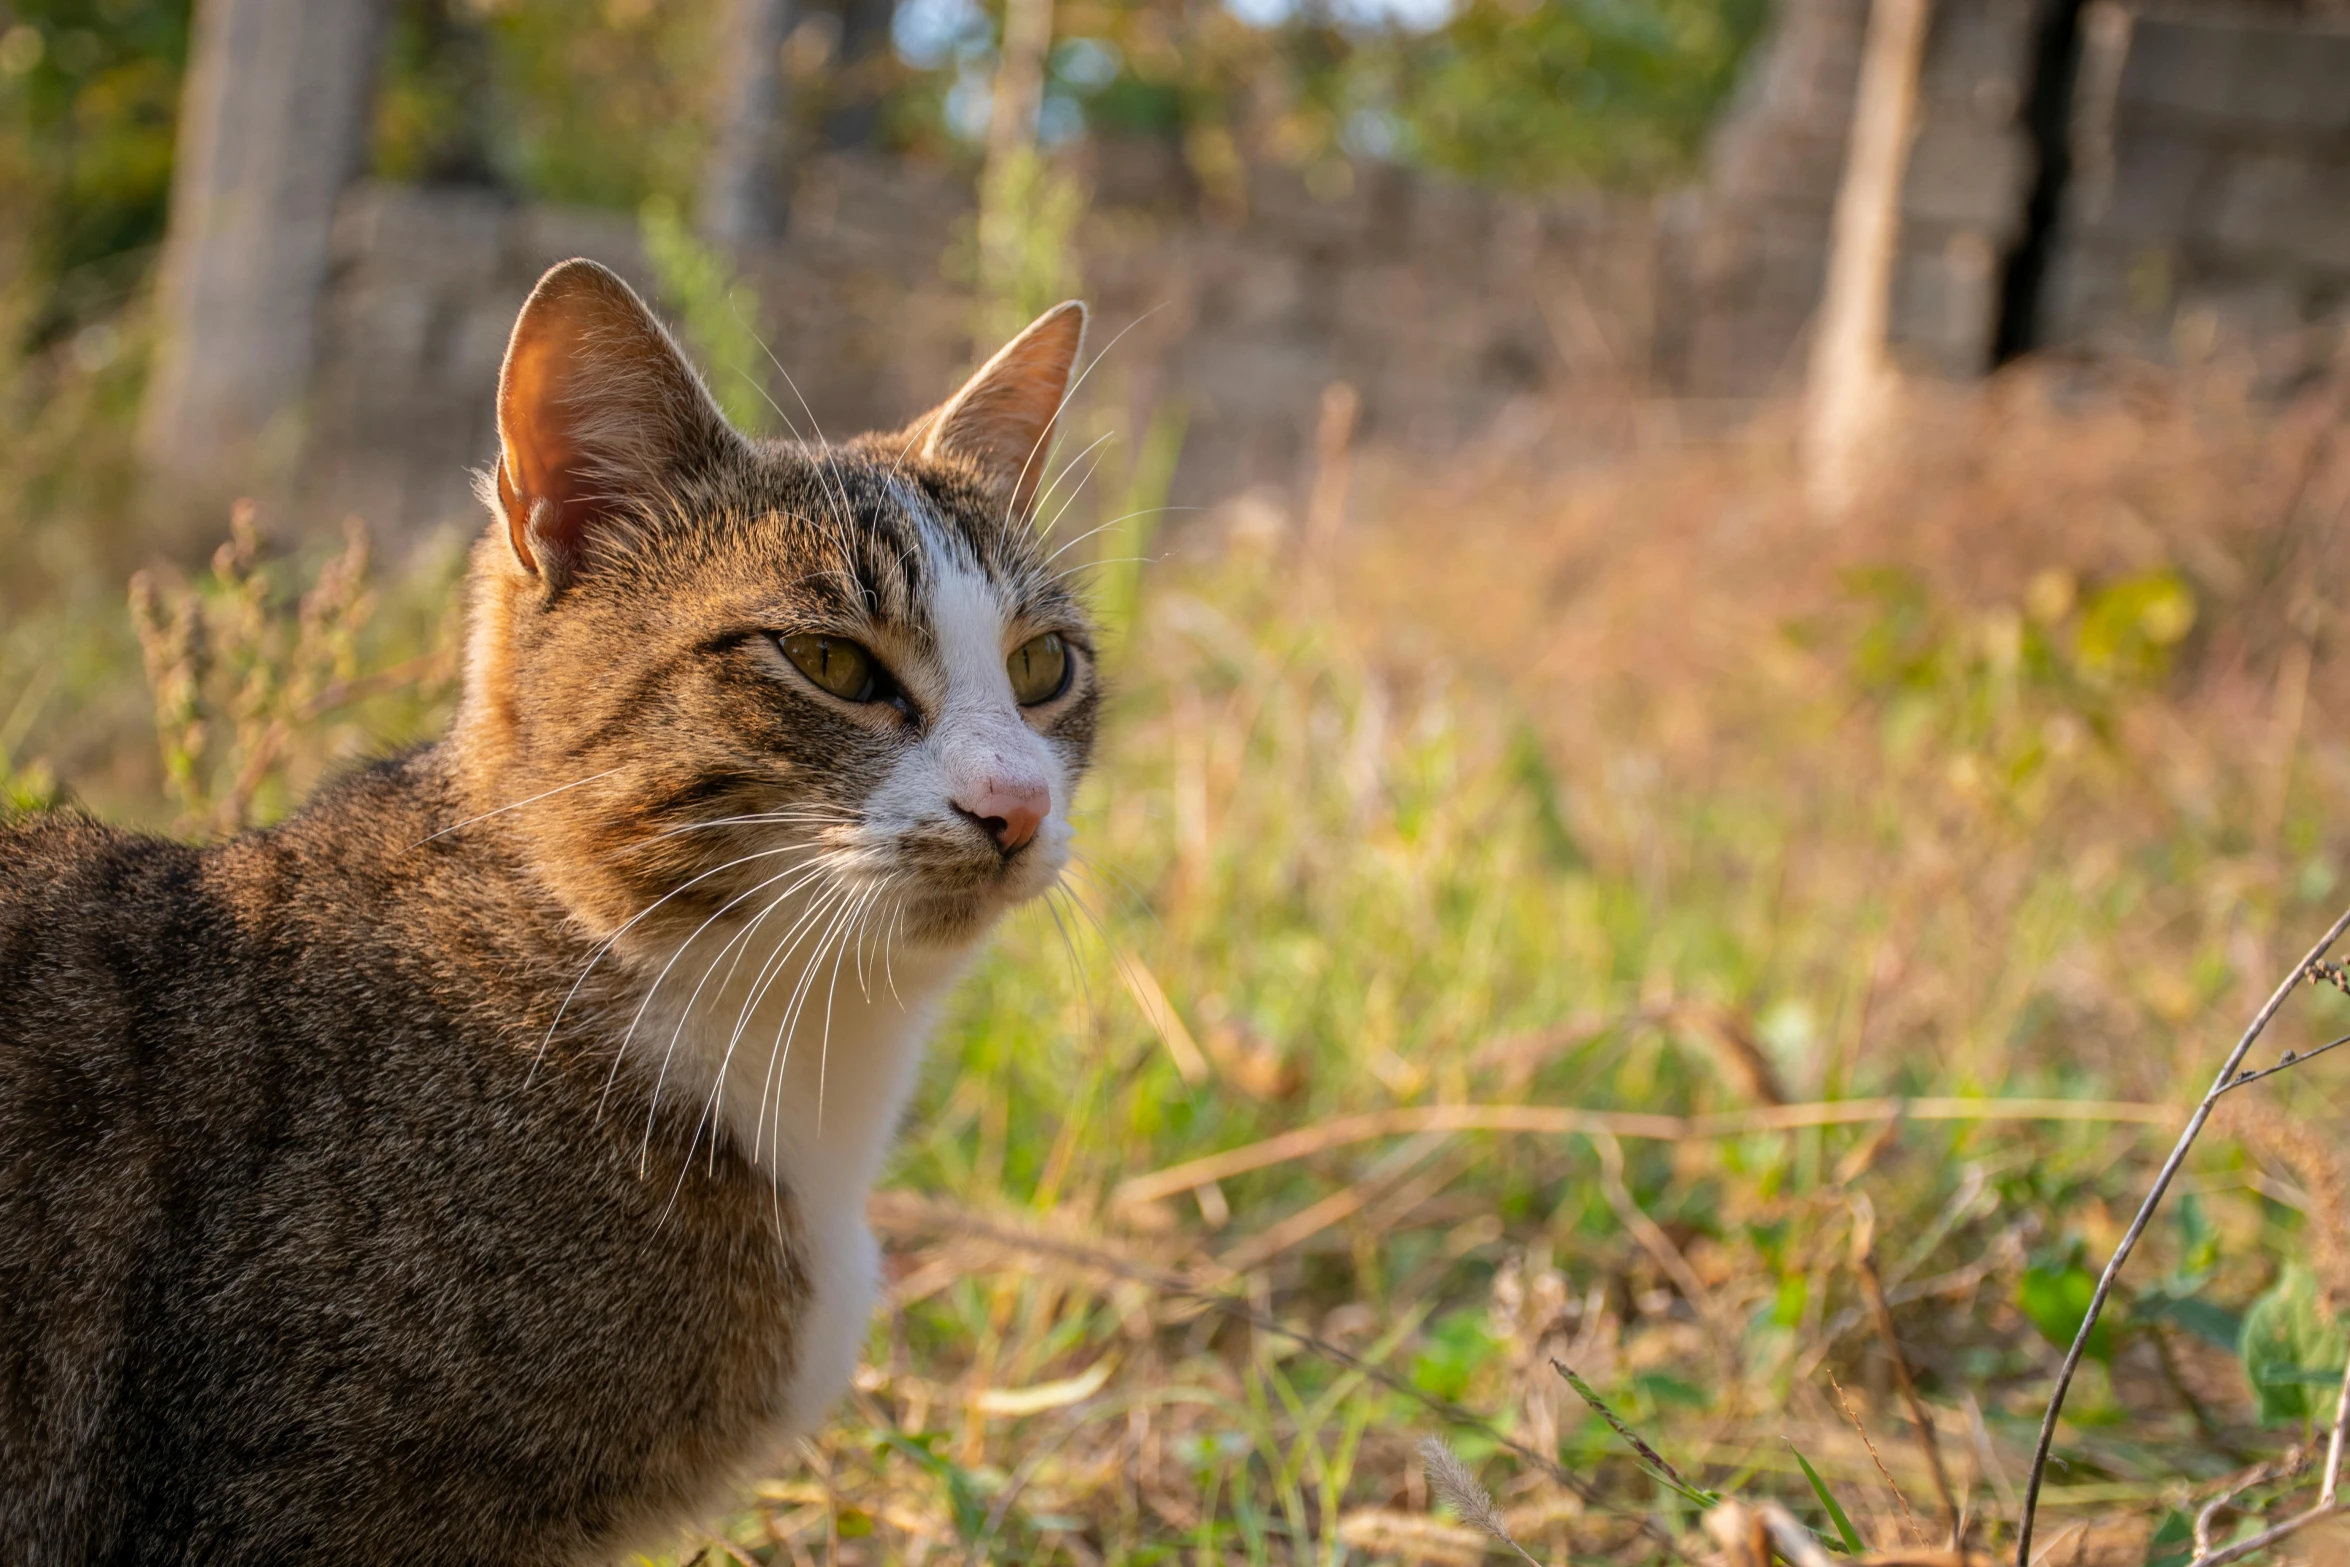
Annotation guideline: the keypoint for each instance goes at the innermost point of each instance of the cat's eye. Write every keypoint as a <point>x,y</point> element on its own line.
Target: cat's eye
<point>1039,669</point>
<point>838,666</point>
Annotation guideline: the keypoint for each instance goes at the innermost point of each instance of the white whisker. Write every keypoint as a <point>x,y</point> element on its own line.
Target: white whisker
<point>516,806</point>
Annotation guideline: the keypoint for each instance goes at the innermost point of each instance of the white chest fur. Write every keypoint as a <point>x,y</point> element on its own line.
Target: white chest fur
<point>807,1065</point>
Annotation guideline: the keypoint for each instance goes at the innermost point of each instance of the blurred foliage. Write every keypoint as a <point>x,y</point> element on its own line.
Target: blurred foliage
<point>1524,92</point>
<point>1026,259</point>
<point>89,95</point>
<point>597,104</point>
<point>719,313</point>
<point>262,671</point>
<point>2294,1348</point>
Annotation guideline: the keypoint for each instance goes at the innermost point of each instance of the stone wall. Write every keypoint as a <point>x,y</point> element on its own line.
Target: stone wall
<point>2214,197</point>
<point>2208,196</point>
<point>1443,306</point>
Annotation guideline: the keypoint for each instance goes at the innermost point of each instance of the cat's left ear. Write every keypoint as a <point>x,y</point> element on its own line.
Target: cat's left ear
<point>597,411</point>
<point>1000,424</point>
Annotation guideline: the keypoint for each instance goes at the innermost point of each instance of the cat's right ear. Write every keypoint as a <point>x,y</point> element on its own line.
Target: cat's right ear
<point>597,410</point>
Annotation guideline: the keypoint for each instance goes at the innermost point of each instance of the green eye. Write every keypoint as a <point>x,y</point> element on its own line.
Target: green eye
<point>1039,669</point>
<point>840,667</point>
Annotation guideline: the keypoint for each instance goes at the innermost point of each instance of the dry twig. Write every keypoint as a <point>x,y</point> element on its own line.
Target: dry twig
<point>2231,1075</point>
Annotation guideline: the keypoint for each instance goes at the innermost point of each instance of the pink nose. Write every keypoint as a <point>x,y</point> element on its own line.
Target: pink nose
<point>1009,809</point>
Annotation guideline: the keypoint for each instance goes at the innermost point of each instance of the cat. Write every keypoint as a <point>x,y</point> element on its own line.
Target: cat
<point>472,1167</point>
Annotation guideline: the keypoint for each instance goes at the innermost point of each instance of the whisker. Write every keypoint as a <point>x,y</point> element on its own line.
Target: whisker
<point>786,1030</point>
<point>1037,503</point>
<point>516,806</point>
<point>740,939</point>
<point>610,941</point>
<point>655,988</point>
<point>1070,392</point>
<point>832,995</point>
<point>1145,511</point>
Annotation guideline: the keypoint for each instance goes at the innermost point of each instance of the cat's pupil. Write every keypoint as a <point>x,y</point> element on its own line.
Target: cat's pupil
<point>1039,669</point>
<point>842,668</point>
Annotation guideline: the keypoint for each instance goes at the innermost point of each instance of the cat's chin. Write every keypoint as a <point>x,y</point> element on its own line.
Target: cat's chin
<point>963,916</point>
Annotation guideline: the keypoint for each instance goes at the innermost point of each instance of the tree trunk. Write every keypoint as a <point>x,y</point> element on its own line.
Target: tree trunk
<point>273,125</point>
<point>1848,377</point>
<point>853,118</point>
<point>745,184</point>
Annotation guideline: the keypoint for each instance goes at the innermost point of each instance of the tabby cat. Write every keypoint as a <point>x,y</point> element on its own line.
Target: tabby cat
<point>472,1168</point>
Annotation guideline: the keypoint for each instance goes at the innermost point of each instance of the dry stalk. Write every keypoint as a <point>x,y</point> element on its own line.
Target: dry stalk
<point>1748,1532</point>
<point>1661,1249</point>
<point>1864,1263</point>
<point>2295,1460</point>
<point>2231,1075</point>
<point>2328,1505</point>
<point>1568,1121</point>
<point>1632,1439</point>
<point>1916,1534</point>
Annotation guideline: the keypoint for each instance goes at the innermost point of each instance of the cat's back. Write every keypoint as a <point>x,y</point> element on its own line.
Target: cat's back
<point>296,1252</point>
<point>81,902</point>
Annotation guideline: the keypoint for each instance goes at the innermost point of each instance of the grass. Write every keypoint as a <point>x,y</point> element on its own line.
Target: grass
<point>1627,791</point>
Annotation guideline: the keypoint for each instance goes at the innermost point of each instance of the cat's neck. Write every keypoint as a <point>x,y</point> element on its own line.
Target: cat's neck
<point>795,1035</point>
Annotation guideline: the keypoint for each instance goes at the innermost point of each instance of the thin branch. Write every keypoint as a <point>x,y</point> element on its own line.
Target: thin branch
<point>2129,1242</point>
<point>2294,1461</point>
<point>2328,1494</point>
<point>2285,1063</point>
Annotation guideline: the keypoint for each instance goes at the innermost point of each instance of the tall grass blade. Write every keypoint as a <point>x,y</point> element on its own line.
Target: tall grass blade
<point>1836,1513</point>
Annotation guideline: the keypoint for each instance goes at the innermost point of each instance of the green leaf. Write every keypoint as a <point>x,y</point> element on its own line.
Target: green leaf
<point>1455,1347</point>
<point>2290,1344</point>
<point>2056,1298</point>
<point>1836,1513</point>
<point>2176,1529</point>
<point>2211,1323</point>
<point>1665,1390</point>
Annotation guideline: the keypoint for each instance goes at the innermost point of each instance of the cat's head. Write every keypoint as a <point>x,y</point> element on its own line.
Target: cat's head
<point>729,674</point>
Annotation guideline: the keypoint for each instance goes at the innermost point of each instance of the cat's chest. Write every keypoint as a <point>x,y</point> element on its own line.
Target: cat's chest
<point>807,1071</point>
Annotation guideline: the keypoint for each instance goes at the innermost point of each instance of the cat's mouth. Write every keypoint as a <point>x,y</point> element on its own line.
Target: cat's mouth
<point>950,891</point>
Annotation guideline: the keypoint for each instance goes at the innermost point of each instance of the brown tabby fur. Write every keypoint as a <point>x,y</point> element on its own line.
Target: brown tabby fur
<point>329,1230</point>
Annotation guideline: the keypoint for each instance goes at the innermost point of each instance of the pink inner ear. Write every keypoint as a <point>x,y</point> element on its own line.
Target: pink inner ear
<point>540,459</point>
<point>595,404</point>
<point>1002,420</point>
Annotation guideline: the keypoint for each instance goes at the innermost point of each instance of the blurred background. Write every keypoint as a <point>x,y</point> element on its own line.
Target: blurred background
<point>1760,572</point>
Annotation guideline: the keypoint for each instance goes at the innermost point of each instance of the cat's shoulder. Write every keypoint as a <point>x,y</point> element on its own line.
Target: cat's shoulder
<point>46,852</point>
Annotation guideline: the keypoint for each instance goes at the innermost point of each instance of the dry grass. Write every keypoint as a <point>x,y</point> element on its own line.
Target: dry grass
<point>1618,895</point>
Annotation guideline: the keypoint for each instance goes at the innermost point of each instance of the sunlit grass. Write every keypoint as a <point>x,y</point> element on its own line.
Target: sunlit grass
<point>1627,792</point>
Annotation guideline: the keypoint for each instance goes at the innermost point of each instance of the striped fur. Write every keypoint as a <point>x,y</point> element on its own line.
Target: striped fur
<point>472,1167</point>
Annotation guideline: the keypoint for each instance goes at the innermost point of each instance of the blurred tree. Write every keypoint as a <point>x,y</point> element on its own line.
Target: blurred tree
<point>272,126</point>
<point>745,182</point>
<point>1849,381</point>
<point>864,74</point>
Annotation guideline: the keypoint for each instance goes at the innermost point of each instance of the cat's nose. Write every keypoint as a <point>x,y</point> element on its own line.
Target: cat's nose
<point>1009,810</point>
